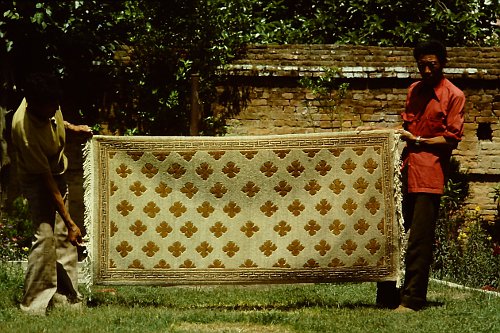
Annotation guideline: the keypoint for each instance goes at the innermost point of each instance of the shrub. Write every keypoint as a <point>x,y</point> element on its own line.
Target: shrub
<point>466,248</point>
<point>11,282</point>
<point>16,231</point>
<point>465,252</point>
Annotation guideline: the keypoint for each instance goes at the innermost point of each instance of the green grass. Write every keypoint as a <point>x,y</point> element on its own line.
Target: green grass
<point>347,307</point>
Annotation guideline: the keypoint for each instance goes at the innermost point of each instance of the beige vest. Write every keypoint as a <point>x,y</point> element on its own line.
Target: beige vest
<point>39,145</point>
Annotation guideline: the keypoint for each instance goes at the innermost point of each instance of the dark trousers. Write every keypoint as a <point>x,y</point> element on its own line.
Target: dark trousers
<point>420,212</point>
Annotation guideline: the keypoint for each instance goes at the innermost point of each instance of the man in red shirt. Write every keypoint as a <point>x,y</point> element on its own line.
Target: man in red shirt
<point>432,127</point>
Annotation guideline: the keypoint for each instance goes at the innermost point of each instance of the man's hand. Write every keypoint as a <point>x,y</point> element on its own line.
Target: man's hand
<point>360,129</point>
<point>406,136</point>
<point>84,130</point>
<point>75,235</point>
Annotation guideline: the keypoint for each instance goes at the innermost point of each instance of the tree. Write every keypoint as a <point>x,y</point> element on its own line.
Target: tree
<point>376,22</point>
<point>131,60</point>
<point>68,38</point>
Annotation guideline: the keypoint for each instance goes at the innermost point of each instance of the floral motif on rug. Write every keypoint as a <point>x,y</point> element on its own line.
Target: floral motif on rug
<point>262,209</point>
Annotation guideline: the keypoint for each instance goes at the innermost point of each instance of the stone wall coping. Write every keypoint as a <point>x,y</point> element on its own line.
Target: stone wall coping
<point>296,60</point>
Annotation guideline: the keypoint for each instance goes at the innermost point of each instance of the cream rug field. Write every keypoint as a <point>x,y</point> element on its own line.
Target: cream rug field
<point>262,209</point>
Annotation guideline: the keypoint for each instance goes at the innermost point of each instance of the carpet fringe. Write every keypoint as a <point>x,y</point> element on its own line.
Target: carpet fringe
<point>402,237</point>
<point>88,182</point>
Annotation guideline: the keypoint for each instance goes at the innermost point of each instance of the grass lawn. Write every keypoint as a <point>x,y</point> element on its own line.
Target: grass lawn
<point>347,307</point>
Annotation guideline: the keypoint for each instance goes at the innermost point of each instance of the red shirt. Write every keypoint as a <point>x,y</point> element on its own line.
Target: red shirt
<point>431,113</point>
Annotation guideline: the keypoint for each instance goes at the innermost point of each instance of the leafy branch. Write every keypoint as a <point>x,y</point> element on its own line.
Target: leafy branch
<point>329,94</point>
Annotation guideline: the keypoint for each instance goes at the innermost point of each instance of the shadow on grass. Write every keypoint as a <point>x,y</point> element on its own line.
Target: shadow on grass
<point>227,302</point>
<point>434,304</point>
<point>266,307</point>
<point>94,303</point>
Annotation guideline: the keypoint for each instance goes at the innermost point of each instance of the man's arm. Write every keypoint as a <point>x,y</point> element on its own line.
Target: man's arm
<point>74,233</point>
<point>80,129</point>
<point>438,141</point>
<point>374,128</point>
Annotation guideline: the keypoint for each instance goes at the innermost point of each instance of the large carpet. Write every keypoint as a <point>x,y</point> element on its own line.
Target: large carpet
<point>262,209</point>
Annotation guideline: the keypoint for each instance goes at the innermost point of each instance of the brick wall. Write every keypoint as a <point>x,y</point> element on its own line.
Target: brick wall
<point>261,95</point>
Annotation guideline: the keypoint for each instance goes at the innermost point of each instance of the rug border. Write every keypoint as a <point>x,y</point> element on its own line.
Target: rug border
<point>252,276</point>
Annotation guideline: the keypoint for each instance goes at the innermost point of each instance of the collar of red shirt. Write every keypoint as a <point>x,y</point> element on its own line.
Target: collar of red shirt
<point>438,89</point>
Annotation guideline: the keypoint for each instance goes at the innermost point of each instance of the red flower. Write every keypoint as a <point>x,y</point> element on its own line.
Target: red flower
<point>489,288</point>
<point>496,249</point>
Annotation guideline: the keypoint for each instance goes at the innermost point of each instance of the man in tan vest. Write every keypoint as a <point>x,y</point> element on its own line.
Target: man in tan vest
<point>38,136</point>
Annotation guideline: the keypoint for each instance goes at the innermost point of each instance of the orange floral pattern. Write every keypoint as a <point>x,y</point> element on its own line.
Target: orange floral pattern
<point>249,229</point>
<point>283,188</point>
<point>135,155</point>
<point>163,190</point>
<point>282,228</point>
<point>149,170</point>
<point>268,169</point>
<point>164,229</point>
<point>137,188</point>
<point>138,228</point>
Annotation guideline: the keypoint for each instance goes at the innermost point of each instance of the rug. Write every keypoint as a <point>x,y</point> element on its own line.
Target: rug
<point>238,210</point>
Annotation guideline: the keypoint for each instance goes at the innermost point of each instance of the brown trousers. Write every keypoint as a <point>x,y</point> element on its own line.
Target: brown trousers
<point>420,212</point>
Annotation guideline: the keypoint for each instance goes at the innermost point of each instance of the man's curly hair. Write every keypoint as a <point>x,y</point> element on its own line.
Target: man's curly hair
<point>434,47</point>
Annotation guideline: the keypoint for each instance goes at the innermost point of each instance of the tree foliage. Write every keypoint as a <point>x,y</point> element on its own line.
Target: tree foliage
<point>372,22</point>
<point>132,60</point>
